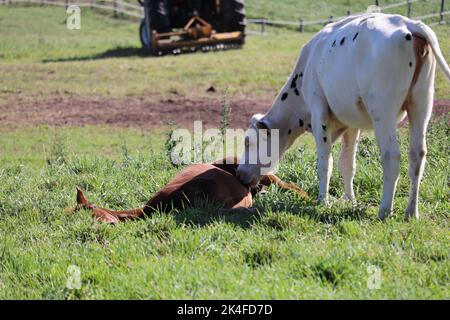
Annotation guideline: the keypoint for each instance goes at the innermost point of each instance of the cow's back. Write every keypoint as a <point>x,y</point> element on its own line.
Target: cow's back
<point>356,57</point>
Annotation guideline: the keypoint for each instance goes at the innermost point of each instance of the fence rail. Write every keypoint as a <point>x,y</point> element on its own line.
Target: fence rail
<point>116,6</point>
<point>301,24</point>
<point>136,11</point>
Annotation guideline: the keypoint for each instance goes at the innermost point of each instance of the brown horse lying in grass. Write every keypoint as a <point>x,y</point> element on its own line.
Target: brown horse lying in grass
<point>215,182</point>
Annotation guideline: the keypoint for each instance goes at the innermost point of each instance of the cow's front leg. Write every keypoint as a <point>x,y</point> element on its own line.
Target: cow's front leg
<point>322,135</point>
<point>385,132</point>
<point>347,160</point>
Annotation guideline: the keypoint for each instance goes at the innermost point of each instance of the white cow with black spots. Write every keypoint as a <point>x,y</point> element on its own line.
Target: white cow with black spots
<point>363,72</point>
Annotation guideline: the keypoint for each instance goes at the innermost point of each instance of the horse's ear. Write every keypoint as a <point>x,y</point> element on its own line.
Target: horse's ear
<point>81,199</point>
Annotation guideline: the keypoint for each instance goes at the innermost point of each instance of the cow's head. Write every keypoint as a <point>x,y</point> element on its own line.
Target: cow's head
<point>270,135</point>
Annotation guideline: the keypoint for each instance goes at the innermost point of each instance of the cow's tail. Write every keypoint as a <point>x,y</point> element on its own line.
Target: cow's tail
<point>428,33</point>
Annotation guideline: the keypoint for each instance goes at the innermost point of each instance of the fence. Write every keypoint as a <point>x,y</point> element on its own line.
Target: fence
<point>301,24</point>
<point>119,7</point>
<point>116,6</point>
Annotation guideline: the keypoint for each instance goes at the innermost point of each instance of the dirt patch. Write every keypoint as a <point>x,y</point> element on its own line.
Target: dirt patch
<point>441,109</point>
<point>144,112</point>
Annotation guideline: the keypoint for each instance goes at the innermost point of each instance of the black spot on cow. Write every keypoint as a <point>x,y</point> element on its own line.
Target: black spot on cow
<point>325,139</point>
<point>324,127</point>
<point>294,82</point>
<point>309,125</point>
<point>410,64</point>
<point>300,122</point>
<point>296,92</point>
<point>284,96</point>
<point>342,41</point>
<point>356,36</point>
<point>334,43</point>
<point>301,75</point>
<point>289,131</point>
<point>408,37</point>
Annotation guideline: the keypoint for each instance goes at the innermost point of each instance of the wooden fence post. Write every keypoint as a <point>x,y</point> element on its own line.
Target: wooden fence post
<point>442,20</point>
<point>349,13</point>
<point>330,19</point>
<point>116,7</point>
<point>409,6</point>
<point>302,25</point>
<point>263,26</point>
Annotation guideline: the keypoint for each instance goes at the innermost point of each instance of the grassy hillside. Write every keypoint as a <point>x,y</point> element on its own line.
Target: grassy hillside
<point>53,59</point>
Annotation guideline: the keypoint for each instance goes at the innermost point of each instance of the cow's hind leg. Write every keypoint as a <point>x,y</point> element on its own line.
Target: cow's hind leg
<point>419,112</point>
<point>417,152</point>
<point>347,160</point>
<point>384,113</point>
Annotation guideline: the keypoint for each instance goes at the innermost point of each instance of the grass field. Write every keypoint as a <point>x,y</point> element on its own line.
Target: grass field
<point>291,249</point>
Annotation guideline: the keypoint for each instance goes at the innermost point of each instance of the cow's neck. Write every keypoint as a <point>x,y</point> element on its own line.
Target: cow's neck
<point>289,113</point>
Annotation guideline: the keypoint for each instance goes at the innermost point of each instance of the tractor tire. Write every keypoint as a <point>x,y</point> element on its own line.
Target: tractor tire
<point>146,39</point>
<point>232,17</point>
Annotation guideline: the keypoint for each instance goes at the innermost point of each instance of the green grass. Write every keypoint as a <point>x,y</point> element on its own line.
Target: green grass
<point>291,248</point>
<point>53,60</point>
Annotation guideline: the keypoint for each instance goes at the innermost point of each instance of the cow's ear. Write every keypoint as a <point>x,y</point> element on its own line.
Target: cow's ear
<point>255,119</point>
<point>263,125</point>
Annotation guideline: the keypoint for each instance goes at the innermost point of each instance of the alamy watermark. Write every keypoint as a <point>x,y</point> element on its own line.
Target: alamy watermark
<point>372,9</point>
<point>261,146</point>
<point>374,278</point>
<point>73,21</point>
<point>73,277</point>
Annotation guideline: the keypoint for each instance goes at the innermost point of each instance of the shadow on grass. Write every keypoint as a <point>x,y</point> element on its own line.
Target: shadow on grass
<point>119,52</point>
<point>332,214</point>
<point>207,214</point>
<point>127,52</point>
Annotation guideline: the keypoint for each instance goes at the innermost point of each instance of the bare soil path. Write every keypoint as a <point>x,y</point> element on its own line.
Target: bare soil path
<point>147,112</point>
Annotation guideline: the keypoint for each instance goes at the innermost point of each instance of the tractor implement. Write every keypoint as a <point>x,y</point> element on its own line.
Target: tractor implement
<point>175,26</point>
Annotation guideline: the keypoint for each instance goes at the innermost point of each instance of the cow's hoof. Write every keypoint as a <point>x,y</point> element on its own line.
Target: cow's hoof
<point>350,199</point>
<point>323,200</point>
<point>384,213</point>
<point>411,215</point>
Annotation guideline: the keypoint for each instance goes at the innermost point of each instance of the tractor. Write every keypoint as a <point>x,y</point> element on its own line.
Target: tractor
<point>175,26</point>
